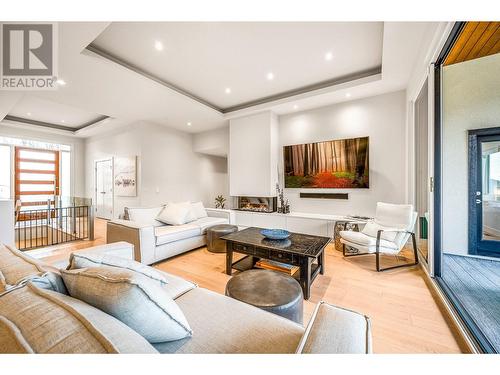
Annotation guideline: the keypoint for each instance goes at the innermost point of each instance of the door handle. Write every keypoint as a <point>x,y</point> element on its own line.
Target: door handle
<point>478,201</point>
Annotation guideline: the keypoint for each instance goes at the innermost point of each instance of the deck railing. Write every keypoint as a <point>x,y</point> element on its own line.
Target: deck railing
<point>62,220</point>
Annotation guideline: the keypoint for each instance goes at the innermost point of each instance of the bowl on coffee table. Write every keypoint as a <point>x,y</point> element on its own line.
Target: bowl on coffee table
<point>275,234</point>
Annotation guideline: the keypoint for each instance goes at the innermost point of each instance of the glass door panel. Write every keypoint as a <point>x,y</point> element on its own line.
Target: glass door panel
<point>422,170</point>
<point>490,230</point>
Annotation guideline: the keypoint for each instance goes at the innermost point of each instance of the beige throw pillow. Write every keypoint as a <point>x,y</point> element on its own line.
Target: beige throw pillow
<point>17,266</point>
<point>43,321</point>
<point>86,260</point>
<point>3,283</point>
<point>134,299</point>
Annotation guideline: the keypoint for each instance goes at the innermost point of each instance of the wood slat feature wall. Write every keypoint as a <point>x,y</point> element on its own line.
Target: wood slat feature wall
<point>477,39</point>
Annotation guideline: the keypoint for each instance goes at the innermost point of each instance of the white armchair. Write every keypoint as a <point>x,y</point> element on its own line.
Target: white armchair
<point>386,234</point>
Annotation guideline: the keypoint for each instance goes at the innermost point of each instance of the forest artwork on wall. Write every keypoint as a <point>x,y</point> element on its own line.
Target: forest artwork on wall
<point>331,164</point>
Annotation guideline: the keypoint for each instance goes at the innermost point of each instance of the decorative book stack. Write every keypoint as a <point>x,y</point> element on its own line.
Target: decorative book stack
<point>276,266</point>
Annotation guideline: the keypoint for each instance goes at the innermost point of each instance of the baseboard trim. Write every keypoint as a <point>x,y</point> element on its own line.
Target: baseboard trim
<point>465,340</point>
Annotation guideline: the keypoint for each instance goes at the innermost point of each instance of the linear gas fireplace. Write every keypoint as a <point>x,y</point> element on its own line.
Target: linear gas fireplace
<point>257,204</point>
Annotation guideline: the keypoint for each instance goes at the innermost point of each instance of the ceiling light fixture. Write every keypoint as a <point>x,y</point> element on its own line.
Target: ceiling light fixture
<point>158,45</point>
<point>227,90</point>
<point>28,114</point>
<point>295,107</point>
<point>189,124</point>
<point>61,82</point>
<point>270,76</point>
<point>328,56</point>
<point>63,121</point>
<point>348,95</point>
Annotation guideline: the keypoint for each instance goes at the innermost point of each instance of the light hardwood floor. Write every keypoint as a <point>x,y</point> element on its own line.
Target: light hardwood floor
<point>405,317</point>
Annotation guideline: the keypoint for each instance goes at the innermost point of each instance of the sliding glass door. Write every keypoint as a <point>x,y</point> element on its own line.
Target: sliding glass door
<point>467,179</point>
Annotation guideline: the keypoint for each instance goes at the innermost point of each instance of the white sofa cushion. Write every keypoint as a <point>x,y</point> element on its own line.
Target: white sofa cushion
<point>224,325</point>
<point>177,286</point>
<point>207,222</point>
<point>172,233</point>
<point>176,214</point>
<point>199,210</point>
<point>144,215</point>
<point>394,215</point>
<point>371,229</point>
<point>132,298</point>
<point>366,241</point>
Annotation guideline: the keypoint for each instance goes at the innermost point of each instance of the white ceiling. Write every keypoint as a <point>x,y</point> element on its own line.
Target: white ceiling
<point>205,58</point>
<point>99,86</point>
<point>32,107</point>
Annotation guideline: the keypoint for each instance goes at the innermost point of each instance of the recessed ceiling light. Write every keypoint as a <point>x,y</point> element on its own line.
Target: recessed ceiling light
<point>189,124</point>
<point>28,114</point>
<point>61,82</point>
<point>328,56</point>
<point>63,121</point>
<point>227,90</point>
<point>348,95</point>
<point>270,76</point>
<point>295,107</point>
<point>158,45</point>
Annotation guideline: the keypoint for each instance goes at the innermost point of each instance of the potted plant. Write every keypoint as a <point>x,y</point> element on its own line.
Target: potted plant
<point>220,201</point>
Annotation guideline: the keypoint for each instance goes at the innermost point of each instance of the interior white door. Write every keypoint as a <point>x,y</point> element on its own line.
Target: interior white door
<point>104,188</point>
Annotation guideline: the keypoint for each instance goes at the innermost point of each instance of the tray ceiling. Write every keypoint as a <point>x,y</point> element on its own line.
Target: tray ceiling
<point>232,65</point>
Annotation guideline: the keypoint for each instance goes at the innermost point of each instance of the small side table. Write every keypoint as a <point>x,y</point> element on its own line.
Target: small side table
<point>341,225</point>
<point>214,243</point>
<point>271,291</point>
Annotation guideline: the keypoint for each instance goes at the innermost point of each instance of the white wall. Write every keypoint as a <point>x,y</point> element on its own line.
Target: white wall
<point>212,142</point>
<point>7,222</point>
<point>77,148</point>
<point>253,155</point>
<point>382,118</point>
<point>168,168</point>
<point>471,100</point>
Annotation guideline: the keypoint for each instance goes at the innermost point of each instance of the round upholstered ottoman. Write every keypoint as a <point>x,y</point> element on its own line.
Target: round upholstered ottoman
<point>272,291</point>
<point>214,243</point>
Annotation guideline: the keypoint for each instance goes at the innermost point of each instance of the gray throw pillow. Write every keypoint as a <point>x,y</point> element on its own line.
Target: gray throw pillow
<point>50,281</point>
<point>87,260</point>
<point>131,297</point>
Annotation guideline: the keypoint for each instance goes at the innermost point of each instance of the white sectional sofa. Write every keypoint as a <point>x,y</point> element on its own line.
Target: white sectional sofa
<point>154,241</point>
<point>35,318</point>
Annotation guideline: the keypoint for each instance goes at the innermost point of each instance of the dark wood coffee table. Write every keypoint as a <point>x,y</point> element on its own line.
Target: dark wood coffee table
<point>302,250</point>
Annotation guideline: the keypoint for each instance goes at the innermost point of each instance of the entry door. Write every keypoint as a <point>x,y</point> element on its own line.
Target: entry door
<point>37,180</point>
<point>484,192</point>
<point>104,188</point>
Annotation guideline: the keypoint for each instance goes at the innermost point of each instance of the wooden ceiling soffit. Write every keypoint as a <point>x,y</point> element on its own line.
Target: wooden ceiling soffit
<point>477,39</point>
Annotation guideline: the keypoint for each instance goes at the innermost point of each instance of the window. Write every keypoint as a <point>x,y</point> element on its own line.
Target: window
<point>5,172</point>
